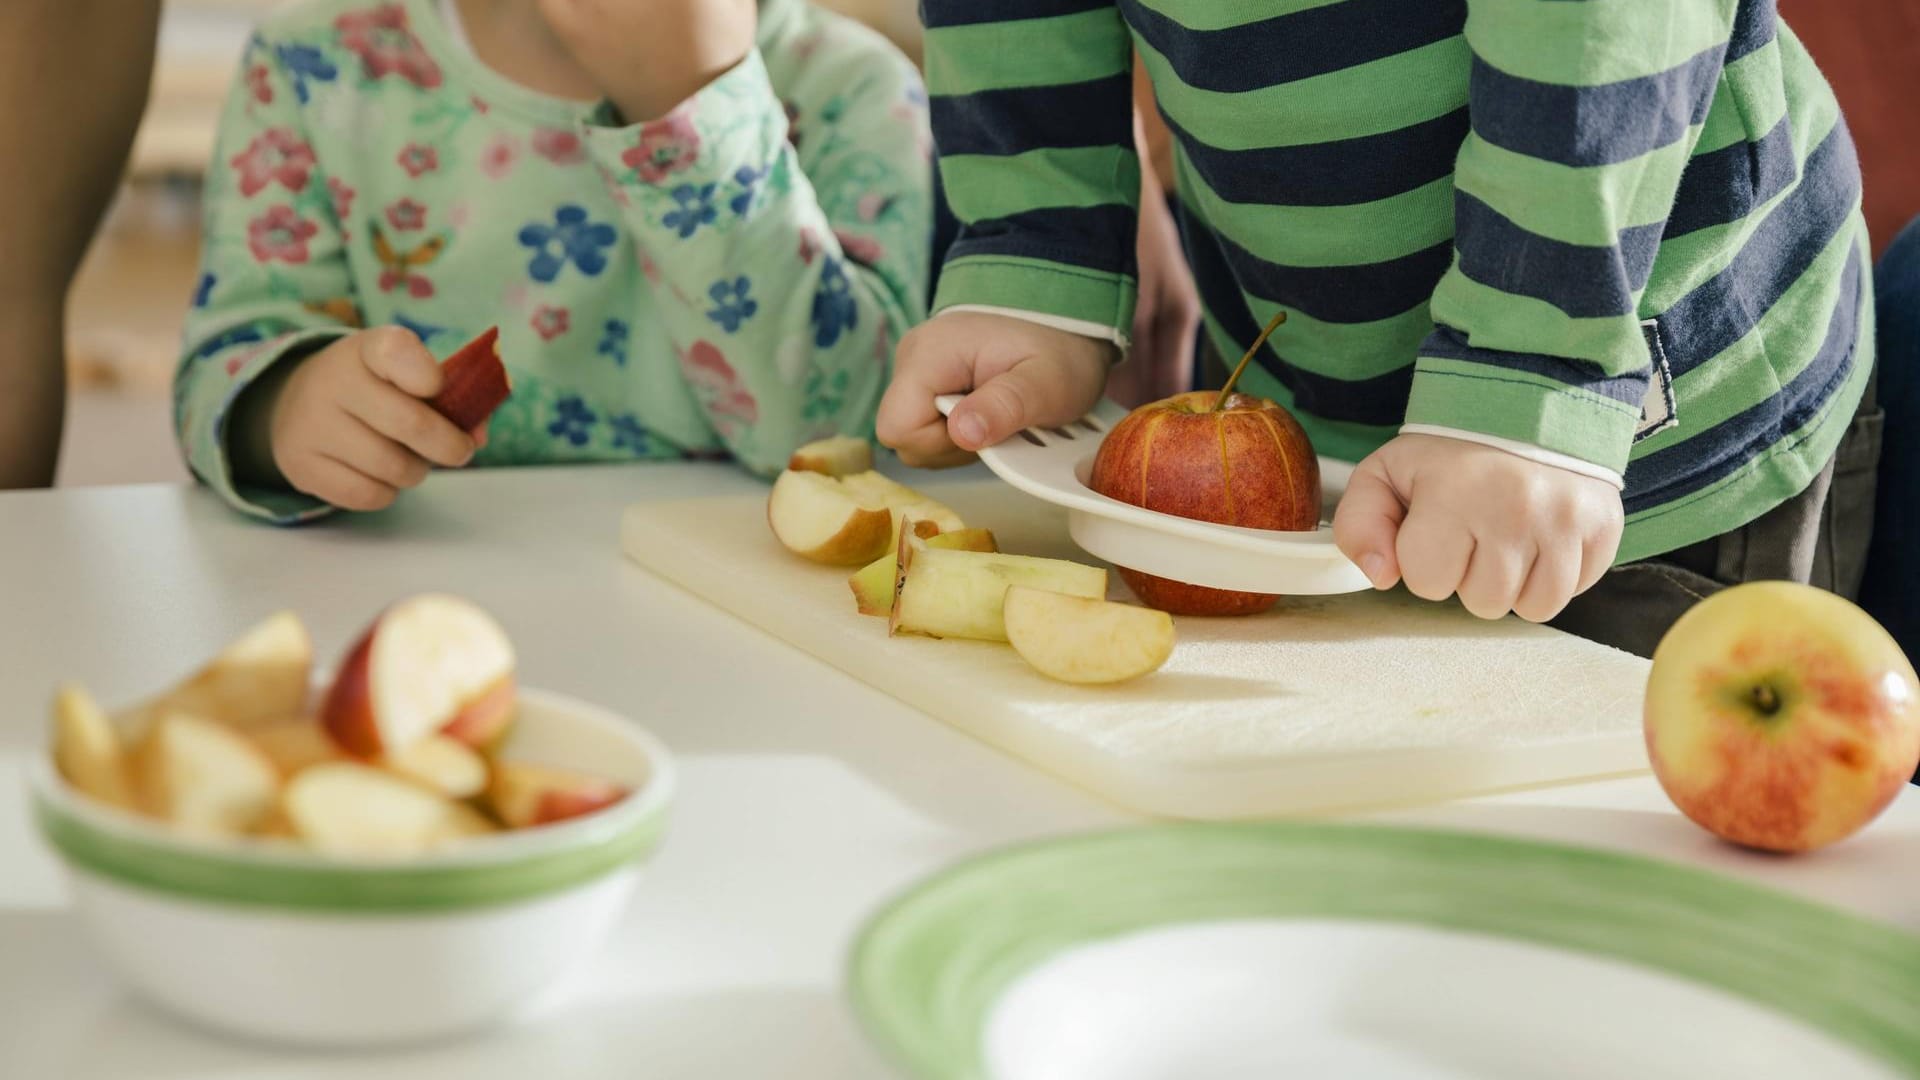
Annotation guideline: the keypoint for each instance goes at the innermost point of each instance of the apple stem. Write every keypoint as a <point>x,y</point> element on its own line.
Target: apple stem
<point>1766,699</point>
<point>1220,402</point>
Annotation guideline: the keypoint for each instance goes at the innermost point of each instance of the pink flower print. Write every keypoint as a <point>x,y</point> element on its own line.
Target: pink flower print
<point>666,146</point>
<point>718,387</point>
<point>280,234</point>
<point>418,159</point>
<point>458,215</point>
<point>498,156</point>
<point>550,322</point>
<point>239,360</point>
<point>258,84</point>
<point>864,250</point>
<point>407,215</point>
<point>275,155</point>
<point>479,106</point>
<point>649,268</point>
<point>342,198</point>
<point>560,146</point>
<point>386,46</point>
<point>872,205</point>
<point>416,283</point>
<point>809,246</point>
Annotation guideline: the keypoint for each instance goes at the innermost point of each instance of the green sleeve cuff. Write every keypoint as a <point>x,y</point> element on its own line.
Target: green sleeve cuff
<point>1048,288</point>
<point>205,437</point>
<point>1524,406</point>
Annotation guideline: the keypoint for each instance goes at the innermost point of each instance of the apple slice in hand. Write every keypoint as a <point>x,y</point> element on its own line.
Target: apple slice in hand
<point>293,745</point>
<point>473,382</point>
<point>873,584</point>
<point>442,763</point>
<point>260,677</point>
<point>524,795</point>
<point>423,663</point>
<point>1079,640</point>
<point>86,748</point>
<point>345,808</point>
<point>842,455</point>
<point>205,777</point>
<point>961,594</point>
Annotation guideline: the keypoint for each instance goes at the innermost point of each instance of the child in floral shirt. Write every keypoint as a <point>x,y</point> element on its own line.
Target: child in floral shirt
<point>699,225</point>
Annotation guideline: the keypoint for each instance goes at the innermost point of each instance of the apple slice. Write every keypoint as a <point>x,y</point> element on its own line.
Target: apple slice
<point>907,504</point>
<point>961,594</point>
<point>295,744</point>
<point>1080,640</point>
<point>205,777</point>
<point>842,455</point>
<point>345,808</point>
<point>816,517</point>
<point>442,763</point>
<point>421,665</point>
<point>473,382</point>
<point>86,748</point>
<point>524,795</point>
<point>873,584</point>
<point>484,722</point>
<point>260,677</point>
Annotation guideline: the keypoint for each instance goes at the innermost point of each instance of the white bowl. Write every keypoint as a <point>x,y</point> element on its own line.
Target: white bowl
<point>266,941</point>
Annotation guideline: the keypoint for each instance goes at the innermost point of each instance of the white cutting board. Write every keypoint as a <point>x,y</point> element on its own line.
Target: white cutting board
<point>1325,703</point>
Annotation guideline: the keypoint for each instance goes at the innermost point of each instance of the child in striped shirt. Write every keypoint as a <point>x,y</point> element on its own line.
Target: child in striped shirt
<point>1581,286</point>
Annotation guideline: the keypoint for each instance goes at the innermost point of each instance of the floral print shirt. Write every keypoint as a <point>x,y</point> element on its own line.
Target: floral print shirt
<point>727,280</point>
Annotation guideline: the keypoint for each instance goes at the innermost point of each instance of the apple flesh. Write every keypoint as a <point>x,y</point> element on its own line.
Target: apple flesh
<point>473,382</point>
<point>1781,717</point>
<point>484,722</point>
<point>259,678</point>
<point>961,594</point>
<point>420,665</point>
<point>293,745</point>
<point>847,520</point>
<point>1080,640</point>
<point>87,750</point>
<point>346,808</point>
<point>906,504</point>
<point>842,455</point>
<point>873,584</point>
<point>442,763</point>
<point>204,777</point>
<point>1248,464</point>
<point>524,795</point>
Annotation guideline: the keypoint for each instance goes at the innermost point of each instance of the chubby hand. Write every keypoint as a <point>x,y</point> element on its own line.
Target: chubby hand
<point>350,424</point>
<point>1449,516</point>
<point>1020,375</point>
<point>649,57</point>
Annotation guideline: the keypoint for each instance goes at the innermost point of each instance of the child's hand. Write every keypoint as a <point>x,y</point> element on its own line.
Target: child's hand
<point>349,425</point>
<point>1449,516</point>
<point>1021,375</point>
<point>649,57</point>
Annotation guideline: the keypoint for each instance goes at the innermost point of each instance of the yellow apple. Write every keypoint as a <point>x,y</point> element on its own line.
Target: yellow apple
<point>345,808</point>
<point>204,777</point>
<point>523,795</point>
<point>442,763</point>
<point>422,665</point>
<point>294,744</point>
<point>1081,640</point>
<point>86,748</point>
<point>873,584</point>
<point>1782,717</point>
<point>259,678</point>
<point>960,594</point>
<point>842,455</point>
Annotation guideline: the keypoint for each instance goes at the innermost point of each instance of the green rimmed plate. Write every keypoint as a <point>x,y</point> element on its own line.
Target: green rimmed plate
<point>1199,951</point>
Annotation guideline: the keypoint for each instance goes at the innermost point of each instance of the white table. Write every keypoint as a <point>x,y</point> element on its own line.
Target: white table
<point>807,798</point>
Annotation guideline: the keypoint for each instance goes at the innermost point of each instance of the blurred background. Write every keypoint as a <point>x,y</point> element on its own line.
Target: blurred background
<point>125,314</point>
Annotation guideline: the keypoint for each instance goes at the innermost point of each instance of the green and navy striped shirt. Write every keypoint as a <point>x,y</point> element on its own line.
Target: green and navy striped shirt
<point>1628,233</point>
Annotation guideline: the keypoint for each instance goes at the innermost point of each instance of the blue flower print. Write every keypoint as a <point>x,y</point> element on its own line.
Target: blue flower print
<point>834,309</point>
<point>749,179</point>
<point>629,434</point>
<point>426,332</point>
<point>305,62</point>
<point>613,341</point>
<point>571,237</point>
<point>203,289</point>
<point>572,420</point>
<point>694,210</point>
<point>731,304</point>
<point>244,334</point>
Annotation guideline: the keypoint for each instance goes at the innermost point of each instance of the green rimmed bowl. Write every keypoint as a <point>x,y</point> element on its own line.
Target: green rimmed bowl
<point>1255,950</point>
<point>269,942</point>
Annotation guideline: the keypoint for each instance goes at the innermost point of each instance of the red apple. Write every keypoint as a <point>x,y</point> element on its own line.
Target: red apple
<point>483,723</point>
<point>1247,463</point>
<point>474,382</point>
<point>422,664</point>
<point>1781,717</point>
<point>523,795</point>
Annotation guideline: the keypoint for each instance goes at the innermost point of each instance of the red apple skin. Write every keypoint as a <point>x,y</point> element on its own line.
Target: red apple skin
<point>347,712</point>
<point>483,722</point>
<point>1838,746</point>
<point>474,382</point>
<point>561,805</point>
<point>1249,464</point>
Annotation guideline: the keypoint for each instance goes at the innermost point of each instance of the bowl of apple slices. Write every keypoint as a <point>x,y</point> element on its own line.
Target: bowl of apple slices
<point>410,848</point>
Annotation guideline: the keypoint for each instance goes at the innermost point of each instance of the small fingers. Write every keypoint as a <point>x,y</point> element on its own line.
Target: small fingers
<point>1366,525</point>
<point>1553,581</point>
<point>412,423</point>
<point>380,458</point>
<point>1434,549</point>
<point>338,484</point>
<point>1028,394</point>
<point>926,365</point>
<point>395,355</point>
<point>1495,576</point>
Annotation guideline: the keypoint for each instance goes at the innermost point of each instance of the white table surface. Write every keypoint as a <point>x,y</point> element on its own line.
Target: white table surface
<point>807,798</point>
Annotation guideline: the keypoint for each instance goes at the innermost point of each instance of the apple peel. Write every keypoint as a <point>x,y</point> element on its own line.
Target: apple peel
<point>474,382</point>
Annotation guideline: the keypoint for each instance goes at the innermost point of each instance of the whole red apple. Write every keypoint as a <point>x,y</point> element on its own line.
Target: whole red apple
<point>1782,717</point>
<point>1247,463</point>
